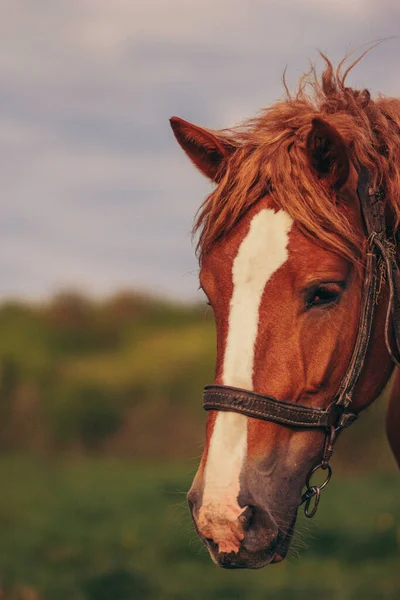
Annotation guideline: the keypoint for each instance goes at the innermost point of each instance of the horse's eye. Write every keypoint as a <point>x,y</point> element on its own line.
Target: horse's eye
<point>324,295</point>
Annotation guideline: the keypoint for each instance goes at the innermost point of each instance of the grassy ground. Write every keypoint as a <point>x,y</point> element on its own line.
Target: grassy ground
<point>112,530</point>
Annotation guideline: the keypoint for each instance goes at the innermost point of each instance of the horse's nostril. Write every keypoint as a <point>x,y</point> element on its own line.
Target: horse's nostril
<point>193,501</point>
<point>246,516</point>
<point>191,506</point>
<point>261,530</point>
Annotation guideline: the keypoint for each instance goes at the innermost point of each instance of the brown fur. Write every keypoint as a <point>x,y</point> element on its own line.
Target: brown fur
<point>269,154</point>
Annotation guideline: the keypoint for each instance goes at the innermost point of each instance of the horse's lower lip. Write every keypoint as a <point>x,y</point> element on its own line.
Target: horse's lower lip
<point>240,562</point>
<point>248,560</point>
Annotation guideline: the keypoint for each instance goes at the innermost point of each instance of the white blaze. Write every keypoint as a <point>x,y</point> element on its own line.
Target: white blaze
<point>261,253</point>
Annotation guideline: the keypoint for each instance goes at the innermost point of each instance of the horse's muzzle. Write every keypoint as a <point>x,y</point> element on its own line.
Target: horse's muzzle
<point>249,540</point>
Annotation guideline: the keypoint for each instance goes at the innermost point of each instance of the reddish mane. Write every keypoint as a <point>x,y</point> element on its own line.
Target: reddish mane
<point>270,156</point>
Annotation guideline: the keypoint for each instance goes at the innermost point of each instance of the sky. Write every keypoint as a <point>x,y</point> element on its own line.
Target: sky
<point>96,194</point>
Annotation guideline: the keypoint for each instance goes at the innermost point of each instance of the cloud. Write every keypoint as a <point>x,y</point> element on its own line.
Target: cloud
<point>95,192</point>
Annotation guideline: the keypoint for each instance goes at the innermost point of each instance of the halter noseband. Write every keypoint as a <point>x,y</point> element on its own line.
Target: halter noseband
<point>380,260</point>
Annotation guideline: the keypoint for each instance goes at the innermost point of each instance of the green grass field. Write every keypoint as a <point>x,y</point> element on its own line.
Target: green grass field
<point>113,530</point>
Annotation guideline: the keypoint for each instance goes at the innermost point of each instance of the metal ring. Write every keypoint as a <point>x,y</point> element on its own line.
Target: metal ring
<point>317,494</point>
<point>315,469</point>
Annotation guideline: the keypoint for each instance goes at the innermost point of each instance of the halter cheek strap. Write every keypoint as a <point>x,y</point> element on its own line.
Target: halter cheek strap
<point>380,263</point>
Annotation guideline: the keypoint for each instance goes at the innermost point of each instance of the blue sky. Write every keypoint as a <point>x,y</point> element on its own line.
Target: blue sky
<point>96,194</point>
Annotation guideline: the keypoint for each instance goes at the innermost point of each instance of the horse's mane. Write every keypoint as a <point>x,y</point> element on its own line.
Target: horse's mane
<point>270,156</point>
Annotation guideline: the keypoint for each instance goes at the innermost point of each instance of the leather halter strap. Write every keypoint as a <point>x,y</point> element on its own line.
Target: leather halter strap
<point>380,262</point>
<point>266,408</point>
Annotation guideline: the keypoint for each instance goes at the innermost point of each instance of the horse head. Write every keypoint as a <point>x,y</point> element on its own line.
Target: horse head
<point>283,251</point>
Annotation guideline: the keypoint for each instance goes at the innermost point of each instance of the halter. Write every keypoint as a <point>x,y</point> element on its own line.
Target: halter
<point>380,262</point>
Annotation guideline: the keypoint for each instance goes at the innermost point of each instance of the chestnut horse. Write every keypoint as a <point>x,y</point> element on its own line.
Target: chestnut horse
<point>283,251</point>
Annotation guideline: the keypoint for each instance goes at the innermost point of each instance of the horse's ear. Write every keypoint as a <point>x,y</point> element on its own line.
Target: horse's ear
<point>207,150</point>
<point>328,153</point>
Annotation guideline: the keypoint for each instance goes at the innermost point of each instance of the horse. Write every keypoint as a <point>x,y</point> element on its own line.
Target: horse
<point>298,253</point>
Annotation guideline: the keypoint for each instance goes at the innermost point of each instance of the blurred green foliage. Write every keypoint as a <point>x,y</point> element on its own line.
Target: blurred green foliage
<point>81,376</point>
